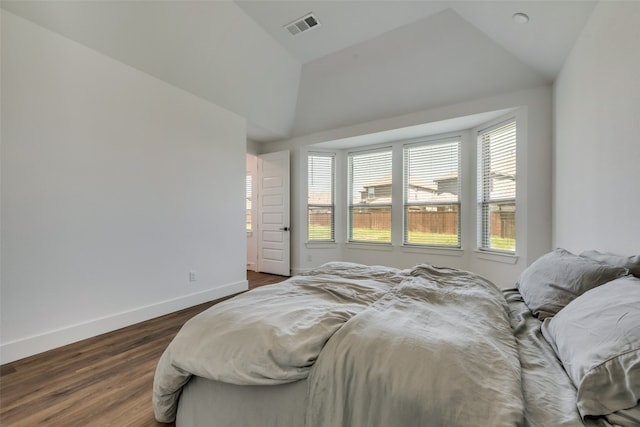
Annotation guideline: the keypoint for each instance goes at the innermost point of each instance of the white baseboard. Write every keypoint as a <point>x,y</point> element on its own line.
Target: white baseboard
<point>19,349</point>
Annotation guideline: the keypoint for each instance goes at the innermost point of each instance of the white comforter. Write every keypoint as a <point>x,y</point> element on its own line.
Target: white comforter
<point>379,346</point>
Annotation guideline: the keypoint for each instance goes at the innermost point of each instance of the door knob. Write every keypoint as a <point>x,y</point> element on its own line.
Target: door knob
<point>284,229</point>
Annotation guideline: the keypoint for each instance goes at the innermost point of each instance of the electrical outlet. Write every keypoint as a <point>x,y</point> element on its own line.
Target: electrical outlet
<point>309,257</point>
<point>192,276</point>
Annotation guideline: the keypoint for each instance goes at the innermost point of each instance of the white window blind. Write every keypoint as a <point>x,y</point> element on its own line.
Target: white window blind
<point>248,201</point>
<point>320,197</point>
<point>432,193</point>
<point>370,183</point>
<point>497,188</point>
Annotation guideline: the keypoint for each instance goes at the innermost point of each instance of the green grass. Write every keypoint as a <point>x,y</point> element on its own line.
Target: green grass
<point>322,232</point>
<point>319,232</point>
<point>503,243</point>
<point>422,238</point>
<point>371,235</point>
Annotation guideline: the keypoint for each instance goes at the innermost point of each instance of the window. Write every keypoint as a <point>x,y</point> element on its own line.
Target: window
<point>320,197</point>
<point>248,201</point>
<point>432,193</point>
<point>370,196</point>
<point>497,188</point>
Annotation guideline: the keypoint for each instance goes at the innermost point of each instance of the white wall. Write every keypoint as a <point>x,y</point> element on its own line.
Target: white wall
<point>597,135</point>
<point>534,191</point>
<point>114,186</point>
<point>209,48</point>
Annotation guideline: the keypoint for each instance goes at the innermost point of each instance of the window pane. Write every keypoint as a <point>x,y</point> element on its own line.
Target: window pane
<point>371,224</point>
<point>501,220</point>
<point>497,188</point>
<point>320,199</point>
<point>320,180</point>
<point>321,223</point>
<point>432,194</point>
<point>370,196</point>
<point>370,175</point>
<point>436,225</point>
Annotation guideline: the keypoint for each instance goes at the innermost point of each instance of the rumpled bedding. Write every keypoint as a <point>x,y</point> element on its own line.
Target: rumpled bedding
<point>549,394</point>
<point>270,335</point>
<point>435,350</point>
<point>378,346</point>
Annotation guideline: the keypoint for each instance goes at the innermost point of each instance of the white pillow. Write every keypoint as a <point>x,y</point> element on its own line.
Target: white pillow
<point>597,339</point>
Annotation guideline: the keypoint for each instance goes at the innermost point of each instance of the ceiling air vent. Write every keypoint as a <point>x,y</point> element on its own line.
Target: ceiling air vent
<point>303,24</point>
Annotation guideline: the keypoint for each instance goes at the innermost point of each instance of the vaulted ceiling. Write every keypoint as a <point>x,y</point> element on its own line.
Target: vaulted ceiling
<point>542,43</point>
<point>366,60</point>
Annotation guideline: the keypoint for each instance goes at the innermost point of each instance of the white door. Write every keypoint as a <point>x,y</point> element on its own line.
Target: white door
<point>273,211</point>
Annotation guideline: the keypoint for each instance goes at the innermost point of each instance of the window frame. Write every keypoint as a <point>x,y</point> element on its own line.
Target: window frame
<point>331,206</point>
<point>350,191</point>
<point>484,199</point>
<point>407,204</point>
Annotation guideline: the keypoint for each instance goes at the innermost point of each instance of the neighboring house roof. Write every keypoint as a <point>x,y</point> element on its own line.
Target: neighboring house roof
<point>381,182</point>
<point>504,176</point>
<point>433,198</point>
<point>386,181</point>
<point>503,183</point>
<point>418,197</point>
<point>448,176</point>
<point>377,200</point>
<point>497,174</point>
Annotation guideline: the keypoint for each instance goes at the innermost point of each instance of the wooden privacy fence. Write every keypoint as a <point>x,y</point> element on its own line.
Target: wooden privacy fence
<point>433,222</point>
<point>376,220</point>
<point>322,219</point>
<point>502,223</point>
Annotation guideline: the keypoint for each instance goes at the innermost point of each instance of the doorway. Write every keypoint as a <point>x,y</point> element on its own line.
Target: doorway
<point>268,213</point>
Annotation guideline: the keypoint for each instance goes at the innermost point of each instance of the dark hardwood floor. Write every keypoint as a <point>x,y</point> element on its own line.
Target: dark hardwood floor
<point>101,381</point>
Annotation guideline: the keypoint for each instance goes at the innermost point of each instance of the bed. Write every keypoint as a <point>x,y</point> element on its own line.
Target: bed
<point>354,345</point>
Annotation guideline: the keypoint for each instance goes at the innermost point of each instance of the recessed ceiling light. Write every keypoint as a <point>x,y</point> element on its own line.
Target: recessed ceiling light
<point>521,18</point>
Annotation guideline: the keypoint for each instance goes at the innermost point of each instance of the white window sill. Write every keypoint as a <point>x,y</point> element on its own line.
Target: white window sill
<point>457,252</point>
<point>385,247</point>
<point>321,245</point>
<point>497,257</point>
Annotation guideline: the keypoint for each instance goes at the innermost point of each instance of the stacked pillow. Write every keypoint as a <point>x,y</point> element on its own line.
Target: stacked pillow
<point>557,278</point>
<point>591,312</point>
<point>630,262</point>
<point>597,339</point>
